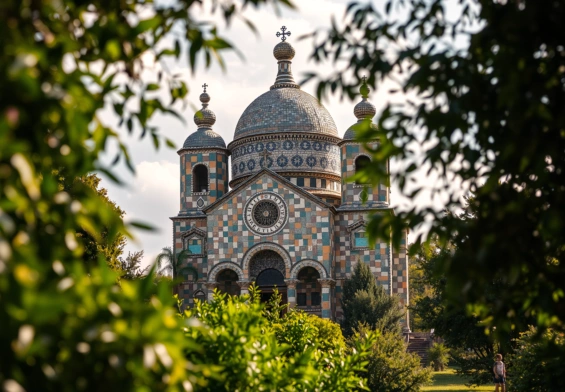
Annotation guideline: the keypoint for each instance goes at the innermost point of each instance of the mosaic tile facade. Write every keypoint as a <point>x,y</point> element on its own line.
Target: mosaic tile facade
<point>216,162</point>
<point>351,192</point>
<point>285,154</point>
<point>285,145</point>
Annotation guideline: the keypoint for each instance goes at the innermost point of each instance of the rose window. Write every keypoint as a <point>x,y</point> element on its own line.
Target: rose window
<point>266,213</point>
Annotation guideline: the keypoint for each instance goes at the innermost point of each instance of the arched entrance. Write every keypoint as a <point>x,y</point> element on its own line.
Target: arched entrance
<point>267,268</point>
<point>227,282</point>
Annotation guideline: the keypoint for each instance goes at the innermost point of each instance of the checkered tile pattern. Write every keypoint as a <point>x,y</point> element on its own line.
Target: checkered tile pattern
<point>307,235</point>
<point>313,232</point>
<point>217,164</point>
<point>351,192</point>
<point>346,256</point>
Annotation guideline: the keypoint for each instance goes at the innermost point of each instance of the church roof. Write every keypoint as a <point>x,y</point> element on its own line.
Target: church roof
<point>285,108</point>
<point>204,137</point>
<point>364,110</point>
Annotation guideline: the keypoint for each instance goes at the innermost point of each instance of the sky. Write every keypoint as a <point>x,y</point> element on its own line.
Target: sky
<point>152,195</point>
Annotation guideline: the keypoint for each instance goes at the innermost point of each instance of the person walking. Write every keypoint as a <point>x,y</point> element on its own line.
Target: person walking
<point>499,371</point>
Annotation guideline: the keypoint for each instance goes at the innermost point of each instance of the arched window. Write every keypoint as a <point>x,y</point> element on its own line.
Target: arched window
<point>200,179</point>
<point>199,295</point>
<point>308,290</point>
<point>361,162</point>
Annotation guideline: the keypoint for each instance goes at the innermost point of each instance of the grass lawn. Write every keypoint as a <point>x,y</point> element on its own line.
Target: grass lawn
<point>447,381</point>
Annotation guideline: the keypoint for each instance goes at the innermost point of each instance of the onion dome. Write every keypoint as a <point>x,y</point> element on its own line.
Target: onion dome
<point>285,108</point>
<point>204,137</point>
<point>363,110</point>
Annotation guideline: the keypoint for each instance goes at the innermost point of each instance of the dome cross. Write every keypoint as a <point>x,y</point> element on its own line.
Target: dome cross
<point>284,33</point>
<point>204,86</point>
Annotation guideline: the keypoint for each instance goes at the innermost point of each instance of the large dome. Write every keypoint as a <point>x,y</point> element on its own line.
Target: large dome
<point>289,132</point>
<point>283,110</point>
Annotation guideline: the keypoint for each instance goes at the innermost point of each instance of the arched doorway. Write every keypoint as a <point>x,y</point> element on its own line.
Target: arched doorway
<point>227,282</point>
<point>268,270</point>
<point>309,291</point>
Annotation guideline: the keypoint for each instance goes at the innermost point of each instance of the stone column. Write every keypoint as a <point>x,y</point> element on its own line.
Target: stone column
<point>291,292</point>
<point>243,286</point>
<point>327,284</point>
<point>210,286</point>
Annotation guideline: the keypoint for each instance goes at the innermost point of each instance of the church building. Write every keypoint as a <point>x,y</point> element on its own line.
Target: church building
<point>280,211</point>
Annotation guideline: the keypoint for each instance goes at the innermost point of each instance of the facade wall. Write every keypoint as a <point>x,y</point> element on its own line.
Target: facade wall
<point>351,191</point>
<point>217,163</point>
<point>308,235</point>
<point>400,283</point>
<point>347,256</point>
<point>188,288</point>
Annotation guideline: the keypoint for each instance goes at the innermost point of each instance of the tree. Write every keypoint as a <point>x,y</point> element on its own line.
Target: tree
<point>130,267</point>
<point>486,88</point>
<point>391,368</point>
<point>169,262</point>
<point>366,302</point>
<point>536,364</point>
<point>65,328</point>
<point>472,351</point>
<point>103,246</point>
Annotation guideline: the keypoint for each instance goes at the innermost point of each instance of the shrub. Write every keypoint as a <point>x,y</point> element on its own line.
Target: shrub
<point>253,347</point>
<point>438,355</point>
<point>366,302</point>
<point>390,367</point>
<point>537,364</point>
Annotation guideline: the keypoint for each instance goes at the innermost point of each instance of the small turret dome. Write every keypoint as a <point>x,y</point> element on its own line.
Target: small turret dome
<point>363,110</point>
<point>204,137</point>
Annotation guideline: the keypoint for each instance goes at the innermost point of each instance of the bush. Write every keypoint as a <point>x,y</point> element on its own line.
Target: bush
<point>390,367</point>
<point>537,364</point>
<point>438,356</point>
<point>365,301</point>
<point>253,347</point>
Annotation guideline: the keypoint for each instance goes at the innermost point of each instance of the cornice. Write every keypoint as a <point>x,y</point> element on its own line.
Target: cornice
<point>183,150</point>
<point>288,135</point>
<point>317,174</point>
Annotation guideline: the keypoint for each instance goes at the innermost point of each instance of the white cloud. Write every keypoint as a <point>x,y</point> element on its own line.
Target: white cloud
<point>152,196</point>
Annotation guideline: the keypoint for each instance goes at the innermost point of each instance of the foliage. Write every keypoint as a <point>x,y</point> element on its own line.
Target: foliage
<point>472,350</point>
<point>365,301</point>
<point>130,267</point>
<point>62,64</point>
<point>101,247</point>
<point>419,287</point>
<point>438,355</point>
<point>175,264</point>
<point>391,368</point>
<point>484,87</point>
<point>70,329</point>
<point>249,351</point>
<point>537,363</point>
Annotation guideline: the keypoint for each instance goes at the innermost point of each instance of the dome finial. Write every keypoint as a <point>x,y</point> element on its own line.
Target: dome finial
<point>364,109</point>
<point>204,118</point>
<point>284,53</point>
<point>364,89</point>
<point>283,34</point>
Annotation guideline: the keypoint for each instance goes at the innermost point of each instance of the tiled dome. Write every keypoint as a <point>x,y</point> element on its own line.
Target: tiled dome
<point>284,110</point>
<point>363,110</point>
<point>204,137</point>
